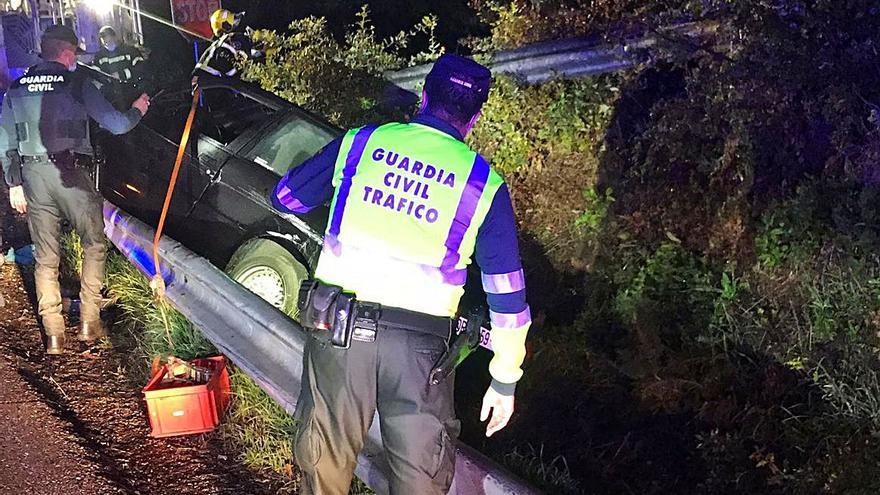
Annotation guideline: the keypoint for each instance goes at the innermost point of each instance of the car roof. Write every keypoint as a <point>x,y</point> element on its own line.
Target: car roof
<point>207,81</point>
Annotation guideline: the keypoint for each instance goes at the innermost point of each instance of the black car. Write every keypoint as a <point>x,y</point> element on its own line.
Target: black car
<point>243,140</point>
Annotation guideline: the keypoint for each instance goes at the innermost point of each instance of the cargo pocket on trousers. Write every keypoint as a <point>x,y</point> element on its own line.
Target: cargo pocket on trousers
<point>444,461</point>
<point>308,444</point>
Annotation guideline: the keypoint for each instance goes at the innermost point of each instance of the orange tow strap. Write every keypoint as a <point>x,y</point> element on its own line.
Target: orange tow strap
<point>158,283</point>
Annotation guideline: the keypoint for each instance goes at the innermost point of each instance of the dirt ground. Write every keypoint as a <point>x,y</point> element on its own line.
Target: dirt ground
<point>77,424</point>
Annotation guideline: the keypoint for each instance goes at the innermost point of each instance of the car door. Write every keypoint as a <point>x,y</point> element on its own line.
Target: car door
<point>231,120</point>
<point>137,166</point>
<point>240,194</point>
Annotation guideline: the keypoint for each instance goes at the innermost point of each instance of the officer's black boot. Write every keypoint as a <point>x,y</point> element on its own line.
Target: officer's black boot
<point>91,330</point>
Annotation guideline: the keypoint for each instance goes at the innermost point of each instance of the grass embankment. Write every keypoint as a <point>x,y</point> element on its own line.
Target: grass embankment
<point>707,315</point>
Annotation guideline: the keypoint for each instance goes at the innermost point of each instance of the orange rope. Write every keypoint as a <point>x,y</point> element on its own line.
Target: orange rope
<point>173,181</point>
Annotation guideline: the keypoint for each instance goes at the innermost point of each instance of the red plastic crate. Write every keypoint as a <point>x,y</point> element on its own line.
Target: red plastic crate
<point>188,409</point>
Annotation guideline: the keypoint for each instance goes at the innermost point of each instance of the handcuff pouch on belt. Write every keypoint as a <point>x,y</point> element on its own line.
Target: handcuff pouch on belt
<point>65,161</point>
<point>328,307</point>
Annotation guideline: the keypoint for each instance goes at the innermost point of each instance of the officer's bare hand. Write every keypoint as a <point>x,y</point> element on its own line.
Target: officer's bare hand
<point>142,104</point>
<point>501,407</point>
<point>17,199</point>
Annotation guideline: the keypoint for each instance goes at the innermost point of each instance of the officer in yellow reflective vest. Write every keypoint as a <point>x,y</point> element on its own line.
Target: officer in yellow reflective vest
<point>411,205</point>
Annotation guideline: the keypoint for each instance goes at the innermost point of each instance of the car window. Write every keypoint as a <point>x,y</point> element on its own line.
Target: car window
<point>224,115</point>
<point>290,144</point>
<point>168,113</point>
<point>228,114</point>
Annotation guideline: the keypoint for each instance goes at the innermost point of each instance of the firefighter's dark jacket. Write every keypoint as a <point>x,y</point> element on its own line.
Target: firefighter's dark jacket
<point>220,58</point>
<point>47,111</point>
<point>123,63</point>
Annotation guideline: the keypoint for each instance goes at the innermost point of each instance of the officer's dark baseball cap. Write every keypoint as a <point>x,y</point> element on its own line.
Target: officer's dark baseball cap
<point>462,73</point>
<point>61,32</point>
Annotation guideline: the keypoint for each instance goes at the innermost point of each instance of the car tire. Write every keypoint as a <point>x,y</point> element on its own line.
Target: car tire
<point>270,271</point>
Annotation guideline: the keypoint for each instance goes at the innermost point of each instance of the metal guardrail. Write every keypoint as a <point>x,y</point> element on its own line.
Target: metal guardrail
<point>540,62</point>
<point>268,346</point>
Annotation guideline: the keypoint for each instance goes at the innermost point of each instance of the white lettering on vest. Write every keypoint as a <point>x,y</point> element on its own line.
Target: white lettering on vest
<point>41,79</point>
<point>40,88</point>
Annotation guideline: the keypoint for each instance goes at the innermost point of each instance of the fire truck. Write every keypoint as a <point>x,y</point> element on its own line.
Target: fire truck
<point>23,21</point>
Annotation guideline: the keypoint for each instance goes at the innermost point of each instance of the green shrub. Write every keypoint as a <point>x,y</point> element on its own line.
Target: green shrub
<point>547,141</point>
<point>811,302</point>
<point>596,211</point>
<point>666,299</point>
<point>339,80</point>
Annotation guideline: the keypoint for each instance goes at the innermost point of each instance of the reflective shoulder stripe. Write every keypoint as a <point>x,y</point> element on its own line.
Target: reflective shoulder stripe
<point>503,283</point>
<point>127,73</point>
<point>511,320</point>
<point>464,213</point>
<point>353,157</point>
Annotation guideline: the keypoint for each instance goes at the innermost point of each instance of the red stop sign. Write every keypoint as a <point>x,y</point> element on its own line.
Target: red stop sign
<point>194,15</point>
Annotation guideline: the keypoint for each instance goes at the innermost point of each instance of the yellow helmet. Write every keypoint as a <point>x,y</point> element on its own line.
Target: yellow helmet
<point>224,21</point>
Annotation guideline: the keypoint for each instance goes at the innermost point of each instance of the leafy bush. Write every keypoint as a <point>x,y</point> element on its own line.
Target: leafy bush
<point>549,156</point>
<point>340,80</point>
<point>758,164</point>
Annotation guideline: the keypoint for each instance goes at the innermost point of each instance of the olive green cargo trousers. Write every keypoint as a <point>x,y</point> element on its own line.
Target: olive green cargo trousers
<point>55,191</point>
<point>342,389</point>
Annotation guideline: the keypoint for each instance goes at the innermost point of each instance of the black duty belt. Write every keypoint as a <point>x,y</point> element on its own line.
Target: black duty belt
<point>35,158</point>
<point>60,157</point>
<point>327,307</point>
<point>411,320</point>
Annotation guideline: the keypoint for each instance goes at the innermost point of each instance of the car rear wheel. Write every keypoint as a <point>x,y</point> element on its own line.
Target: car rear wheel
<point>270,271</point>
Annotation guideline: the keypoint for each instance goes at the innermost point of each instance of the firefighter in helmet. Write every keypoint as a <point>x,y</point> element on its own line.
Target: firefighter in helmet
<point>120,60</point>
<point>229,45</point>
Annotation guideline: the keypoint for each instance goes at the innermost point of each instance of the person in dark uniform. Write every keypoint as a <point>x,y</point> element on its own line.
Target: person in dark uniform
<point>411,205</point>
<point>120,60</point>
<point>228,46</point>
<point>45,150</point>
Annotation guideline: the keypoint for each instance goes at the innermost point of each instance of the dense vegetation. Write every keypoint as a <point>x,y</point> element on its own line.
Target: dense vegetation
<point>700,239</point>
